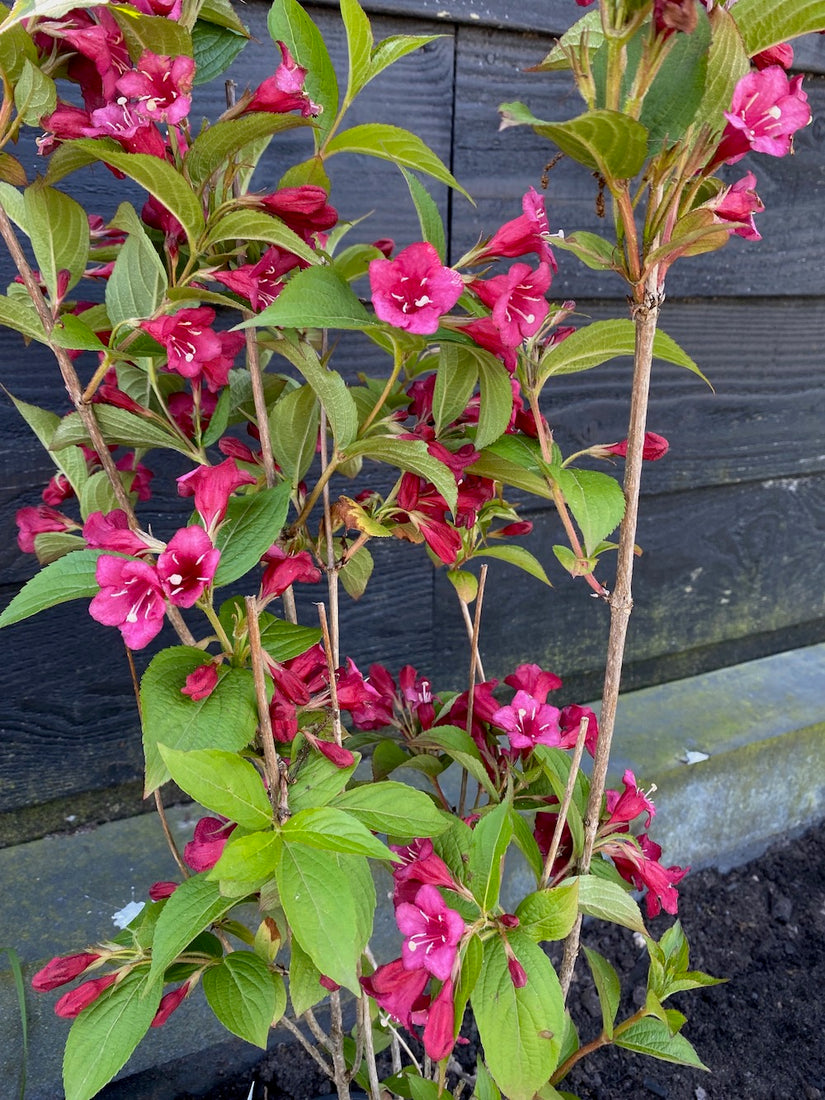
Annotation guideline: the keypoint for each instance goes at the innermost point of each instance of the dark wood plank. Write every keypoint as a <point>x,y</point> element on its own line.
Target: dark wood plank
<point>496,168</point>
<point>546,16</point>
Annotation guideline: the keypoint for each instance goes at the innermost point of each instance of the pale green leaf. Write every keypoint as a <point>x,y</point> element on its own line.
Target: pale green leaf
<point>245,995</point>
<point>118,426</point>
<point>607,986</point>
<point>253,225</point>
<point>396,145</point>
<point>253,523</point>
<point>317,781</point>
<point>59,232</point>
<point>194,905</point>
<point>359,46</point>
<point>491,839</point>
<point>455,381</point>
<point>44,424</point>
<point>429,216</point>
<point>395,809</point>
<point>652,1037</point>
<point>329,386</point>
<point>163,36</point>
<point>727,64</point>
<point>599,897</point>
<point>411,455</point>
<point>766,23</point>
<point>595,499</point>
<point>549,914</point>
<point>332,829</point>
<point>600,341</point>
<point>222,782</point>
<point>518,556</point>
<point>316,297</point>
<point>35,94</point>
<point>137,285</point>
<point>215,145</point>
<point>71,577</point>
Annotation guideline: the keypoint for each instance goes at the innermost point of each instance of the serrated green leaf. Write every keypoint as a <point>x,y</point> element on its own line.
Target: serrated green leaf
<point>137,285</point>
<point>589,28</point>
<point>253,522</point>
<point>594,252</point>
<point>97,495</point>
<point>459,746</point>
<point>396,46</point>
<point>332,829</point>
<point>157,33</point>
<point>355,574</point>
<point>491,839</point>
<point>608,987</point>
<point>606,900</point>
<point>35,94</point>
<point>396,145</point>
<point>283,640</point>
<point>305,989</point>
<point>317,782</point>
<point>600,341</point>
<point>496,398</point>
<point>22,317</point>
<point>607,142</point>
<point>16,48</point>
<point>293,428</point>
<point>117,426</point>
<point>222,782</point>
<point>226,719</point>
<point>289,23</point>
<point>549,914</point>
<point>105,1034</point>
<point>73,333</point>
<point>247,863</point>
<point>13,202</point>
<point>395,809</point>
<point>316,297</point>
<point>765,23</point>
<point>652,1037</point>
<point>529,1020</point>
<point>411,455</point>
<point>245,995</point>
<point>211,149</point>
<point>214,49</point>
<point>69,578</point>
<point>727,64</point>
<point>518,556</point>
<point>429,216</point>
<point>596,501</point>
<point>455,381</point>
<point>194,905</point>
<point>44,424</point>
<point>59,233</point>
<point>51,545</point>
<point>671,105</point>
<point>251,225</point>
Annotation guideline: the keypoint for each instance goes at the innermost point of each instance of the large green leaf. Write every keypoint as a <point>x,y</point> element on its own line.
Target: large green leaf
<point>608,987</point>
<point>289,23</point>
<point>222,782</point>
<point>653,1037</point>
<point>455,381</point>
<point>670,106</point>
<point>411,455</point>
<point>520,1029</point>
<point>283,640</point>
<point>607,142</point>
<point>765,23</point>
<point>22,317</point>
<point>305,989</point>
<point>191,909</point>
<point>332,829</point>
<point>253,522</point>
<point>155,176</point>
<point>293,429</point>
<point>596,501</point>
<point>226,719</point>
<point>549,914</point>
<point>398,146</point>
<point>215,48</point>
<point>359,46</point>
<point>600,341</point>
<point>137,285</point>
<point>44,424</point>
<point>59,232</point>
<point>316,297</point>
<point>329,386</point>
<point>317,896</point>
<point>157,33</point>
<point>317,781</point>
<point>245,995</point>
<point>598,897</point>
<point>253,225</point>
<point>35,94</point>
<point>518,556</point>
<point>395,809</point>
<point>496,406</point>
<point>727,63</point>
<point>247,863</point>
<point>117,426</point>
<point>105,1034</point>
<point>212,148</point>
<point>491,839</point>
<point>69,578</point>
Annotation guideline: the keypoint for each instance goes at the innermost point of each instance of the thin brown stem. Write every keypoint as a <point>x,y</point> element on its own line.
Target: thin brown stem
<point>290,610</point>
<point>565,804</point>
<point>339,1062</point>
<point>253,362</point>
<point>307,1045</point>
<point>331,666</point>
<point>475,662</point>
<point>369,1049</point>
<point>317,1030</point>
<point>274,766</point>
<point>331,565</point>
<point>601,1040</point>
<point>468,623</point>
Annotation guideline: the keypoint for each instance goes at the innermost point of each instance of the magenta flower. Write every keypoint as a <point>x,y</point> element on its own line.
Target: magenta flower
<point>35,521</point>
<point>170,1001</point>
<point>738,204</point>
<point>767,110</point>
<point>130,598</point>
<point>259,283</point>
<point>193,349</point>
<point>397,990</point>
<point>111,531</point>
<point>641,867</point>
<point>420,866</point>
<point>160,86</point>
<point>212,486</point>
<point>426,513</point>
<point>71,1004</point>
<point>201,682</point>
<point>570,720</point>
<point>284,90</point>
<point>485,332</point>
<point>780,54</point>
<point>654,447</point>
<point>413,291</point>
<point>528,723</point>
<point>439,1030</point>
<point>207,844</point>
<point>527,233</point>
<point>626,806</point>
<point>158,891</point>
<point>536,681</point>
<point>304,209</point>
<point>517,301</point>
<point>187,565</point>
<point>62,970</point>
<point>433,932</point>
<point>283,570</point>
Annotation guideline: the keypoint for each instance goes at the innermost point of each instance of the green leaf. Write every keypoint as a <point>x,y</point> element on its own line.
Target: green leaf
<point>496,398</point>
<point>293,429</point>
<point>317,782</point>
<point>305,989</point>
<point>594,252</point>
<point>398,146</point>
<point>222,14</point>
<point>549,914</point>
<point>329,386</point>
<point>253,522</point>
<point>251,225</point>
<point>359,46</point>
<point>69,578</point>
<point>520,1029</point>
<point>429,216</point>
<point>607,142</point>
<point>73,333</point>
<point>317,897</point>
<point>51,545</point>
<point>595,499</point>
<point>588,28</point>
<point>518,556</point>
<point>214,146</point>
<point>155,176</point>
<point>608,987</point>
<point>245,996</point>
<point>486,1088</point>
<point>491,839</point>
<point>289,23</point>
<point>395,809</point>
<point>600,341</point>
<point>137,285</point>
<point>117,426</point>
<point>672,103</point>
<point>59,233</point>
<point>458,745</point>
<point>764,23</point>
<point>356,573</point>
<point>214,48</point>
<point>247,863</point>
<point>35,94</point>
<point>283,640</point>
<point>194,905</point>
<point>411,455</point>
<point>97,495</point>
<point>105,1034</point>
<point>44,424</point>
<point>16,48</point>
<point>222,782</point>
<point>455,381</point>
<point>226,719</point>
<point>598,897</point>
<point>316,297</point>
<point>396,46</point>
<point>727,64</point>
<point>21,316</point>
<point>332,829</point>
<point>652,1037</point>
<point>157,33</point>
<point>526,843</point>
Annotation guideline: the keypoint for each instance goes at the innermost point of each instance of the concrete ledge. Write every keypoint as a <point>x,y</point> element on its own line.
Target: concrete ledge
<point>757,732</point>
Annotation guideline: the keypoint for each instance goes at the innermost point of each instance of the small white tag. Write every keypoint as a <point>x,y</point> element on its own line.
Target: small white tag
<point>691,757</point>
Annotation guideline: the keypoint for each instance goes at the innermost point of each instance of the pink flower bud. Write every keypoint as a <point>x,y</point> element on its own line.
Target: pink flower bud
<point>518,974</point>
<point>329,984</point>
<point>201,683</point>
<point>509,920</point>
<point>71,1004</point>
<point>160,890</point>
<point>61,970</point>
<point>655,447</point>
<point>170,1001</point>
<point>340,757</point>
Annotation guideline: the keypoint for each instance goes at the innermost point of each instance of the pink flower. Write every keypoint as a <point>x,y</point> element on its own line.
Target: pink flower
<point>767,110</point>
<point>439,1030</point>
<point>485,332</point>
<point>517,301</point>
<point>336,754</point>
<point>207,844</point>
<point>130,598</point>
<point>738,204</point>
<point>626,806</point>
<point>397,990</point>
<point>420,866</point>
<point>528,723</point>
<point>111,531</point>
<point>284,90</point>
<point>170,1001</point>
<point>527,233</point>
<point>35,521</point>
<point>570,720</point>
<point>655,447</point>
<point>193,349</point>
<point>212,487</point>
<point>259,283</point>
<point>781,54</point>
<point>161,86</point>
<point>426,512</point>
<point>71,1004</point>
<point>201,682</point>
<point>433,932</point>
<point>62,970</point>
<point>58,489</point>
<point>534,680</point>
<point>304,209</point>
<point>284,570</point>
<point>640,866</point>
<point>187,565</point>
<point>184,409</point>
<point>674,15</point>
<point>413,291</point>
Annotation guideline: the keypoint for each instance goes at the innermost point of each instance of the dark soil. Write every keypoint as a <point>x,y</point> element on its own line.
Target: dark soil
<point>762,1034</point>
